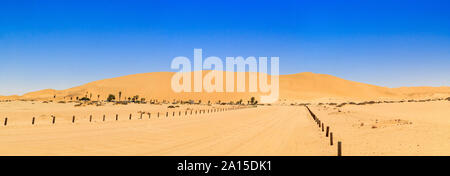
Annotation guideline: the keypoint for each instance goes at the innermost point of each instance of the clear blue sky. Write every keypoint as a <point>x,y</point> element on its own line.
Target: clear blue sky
<point>61,44</point>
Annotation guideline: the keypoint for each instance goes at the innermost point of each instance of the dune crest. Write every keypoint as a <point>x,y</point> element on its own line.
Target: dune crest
<point>301,86</point>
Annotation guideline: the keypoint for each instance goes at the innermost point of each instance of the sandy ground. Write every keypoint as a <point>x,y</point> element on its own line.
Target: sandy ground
<point>380,129</point>
<point>265,130</point>
<point>390,129</point>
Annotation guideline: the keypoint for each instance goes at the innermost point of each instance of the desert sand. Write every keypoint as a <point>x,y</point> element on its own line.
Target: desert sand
<point>398,121</point>
<point>394,129</point>
<point>247,131</point>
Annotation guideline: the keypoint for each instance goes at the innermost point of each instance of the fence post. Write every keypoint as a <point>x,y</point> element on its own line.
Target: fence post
<point>103,117</point>
<point>73,119</point>
<point>158,114</point>
<point>339,148</point>
<point>149,115</point>
<point>32,121</point>
<point>117,117</point>
<point>90,118</point>
<point>331,138</point>
<point>130,117</point>
<point>328,130</point>
<point>322,127</point>
<point>54,119</point>
<point>6,121</point>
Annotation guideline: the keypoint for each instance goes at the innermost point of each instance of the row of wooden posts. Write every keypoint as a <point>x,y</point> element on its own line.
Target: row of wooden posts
<point>328,133</point>
<point>33,120</point>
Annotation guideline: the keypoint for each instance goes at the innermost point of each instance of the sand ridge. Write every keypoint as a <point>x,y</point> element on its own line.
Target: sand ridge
<point>302,86</point>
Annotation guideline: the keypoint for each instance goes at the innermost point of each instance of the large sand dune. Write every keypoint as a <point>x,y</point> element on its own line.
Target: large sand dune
<point>301,86</point>
<point>378,128</point>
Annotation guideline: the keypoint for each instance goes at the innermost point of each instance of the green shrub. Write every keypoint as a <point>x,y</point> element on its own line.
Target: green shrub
<point>340,105</point>
<point>111,97</point>
<point>85,99</point>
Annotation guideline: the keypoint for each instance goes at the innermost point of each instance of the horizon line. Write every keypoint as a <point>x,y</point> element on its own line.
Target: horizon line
<point>222,71</point>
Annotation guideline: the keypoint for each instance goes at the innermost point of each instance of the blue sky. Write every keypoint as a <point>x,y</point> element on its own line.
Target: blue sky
<point>61,44</point>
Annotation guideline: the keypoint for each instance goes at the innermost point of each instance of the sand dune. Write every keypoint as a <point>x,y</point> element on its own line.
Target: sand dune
<point>301,86</point>
<point>408,128</point>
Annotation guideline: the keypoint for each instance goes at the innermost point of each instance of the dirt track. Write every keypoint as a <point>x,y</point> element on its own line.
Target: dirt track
<point>256,131</point>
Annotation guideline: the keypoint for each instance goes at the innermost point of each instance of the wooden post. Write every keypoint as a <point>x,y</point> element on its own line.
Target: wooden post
<point>149,115</point>
<point>331,138</point>
<point>6,121</point>
<point>103,117</point>
<point>339,148</point>
<point>73,119</point>
<point>117,117</point>
<point>173,113</point>
<point>90,118</point>
<point>179,113</point>
<point>167,114</point>
<point>158,114</point>
<point>32,121</point>
<point>54,119</point>
<point>130,117</point>
<point>328,130</point>
<point>140,116</point>
<point>322,127</point>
